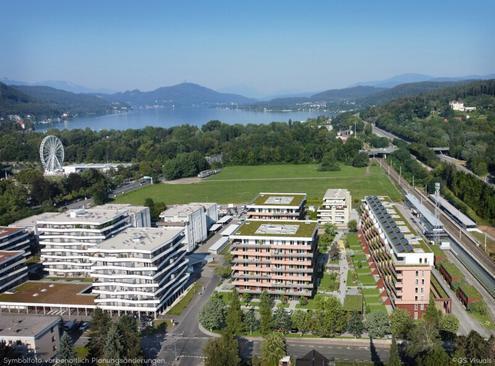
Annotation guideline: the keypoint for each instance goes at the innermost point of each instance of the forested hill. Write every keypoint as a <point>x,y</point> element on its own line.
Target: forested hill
<point>14,101</point>
<point>427,119</point>
<point>185,94</point>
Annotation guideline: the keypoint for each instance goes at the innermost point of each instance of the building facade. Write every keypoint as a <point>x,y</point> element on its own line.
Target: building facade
<point>277,206</point>
<point>12,238</point>
<point>401,259</point>
<point>275,256</point>
<point>140,270</point>
<point>211,211</point>
<point>66,238</point>
<point>32,335</point>
<point>190,217</point>
<point>335,208</point>
<point>13,269</point>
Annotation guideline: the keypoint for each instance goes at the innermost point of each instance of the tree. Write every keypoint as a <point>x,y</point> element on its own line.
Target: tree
<point>331,317</point>
<point>377,324</point>
<point>100,323</point>
<point>251,324</point>
<point>449,323</point>
<point>281,320</point>
<point>273,349</point>
<point>360,160</point>
<point>436,356</point>
<point>66,353</point>
<point>423,338</point>
<point>352,226</point>
<point>400,323</point>
<point>302,320</point>
<point>131,341</point>
<point>355,324</point>
<point>222,351</point>
<point>394,358</point>
<point>114,346</point>
<point>432,314</point>
<point>212,315</point>
<point>265,310</point>
<point>329,162</point>
<point>99,192</point>
<point>234,315</point>
<point>476,347</point>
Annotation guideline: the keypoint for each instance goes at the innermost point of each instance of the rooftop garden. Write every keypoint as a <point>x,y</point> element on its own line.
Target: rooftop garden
<point>305,228</point>
<point>297,199</point>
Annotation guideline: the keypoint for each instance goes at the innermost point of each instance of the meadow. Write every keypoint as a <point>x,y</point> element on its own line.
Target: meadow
<point>240,184</point>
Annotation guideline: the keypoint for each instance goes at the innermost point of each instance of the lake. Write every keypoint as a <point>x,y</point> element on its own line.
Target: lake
<point>168,117</point>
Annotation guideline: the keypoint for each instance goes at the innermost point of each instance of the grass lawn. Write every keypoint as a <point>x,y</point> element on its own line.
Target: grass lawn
<point>329,282</point>
<point>353,241</point>
<point>485,320</point>
<point>366,279</point>
<point>351,278</point>
<point>178,308</point>
<point>490,243</point>
<point>353,303</point>
<point>241,184</point>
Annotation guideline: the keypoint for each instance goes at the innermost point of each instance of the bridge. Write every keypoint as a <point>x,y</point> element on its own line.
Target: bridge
<point>380,151</point>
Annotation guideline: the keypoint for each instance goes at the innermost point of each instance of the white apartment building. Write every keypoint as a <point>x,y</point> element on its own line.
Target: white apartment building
<point>460,107</point>
<point>139,216</point>
<point>35,336</point>
<point>335,208</point>
<point>65,238</point>
<point>16,239</point>
<point>277,206</point>
<point>13,269</point>
<point>211,211</point>
<point>140,270</point>
<point>192,218</point>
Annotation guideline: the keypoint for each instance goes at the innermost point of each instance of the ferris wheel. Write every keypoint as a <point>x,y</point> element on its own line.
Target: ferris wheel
<point>52,154</point>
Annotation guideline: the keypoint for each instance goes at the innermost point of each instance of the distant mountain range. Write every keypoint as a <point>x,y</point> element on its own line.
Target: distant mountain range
<point>59,84</point>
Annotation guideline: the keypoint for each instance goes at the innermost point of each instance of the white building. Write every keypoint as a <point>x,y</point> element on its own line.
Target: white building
<point>335,208</point>
<point>16,239</point>
<point>277,206</point>
<point>102,167</point>
<point>460,107</point>
<point>139,216</point>
<point>33,335</point>
<point>192,218</point>
<point>211,210</point>
<point>13,269</point>
<point>140,270</point>
<point>65,238</point>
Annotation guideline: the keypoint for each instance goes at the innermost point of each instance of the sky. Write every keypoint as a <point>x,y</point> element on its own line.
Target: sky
<point>253,47</point>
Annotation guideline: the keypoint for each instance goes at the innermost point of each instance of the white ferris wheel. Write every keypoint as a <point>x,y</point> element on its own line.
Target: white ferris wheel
<point>52,154</point>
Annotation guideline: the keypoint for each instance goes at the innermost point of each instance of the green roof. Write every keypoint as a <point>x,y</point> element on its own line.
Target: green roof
<point>452,270</point>
<point>421,244</point>
<point>297,199</point>
<point>437,287</point>
<point>437,251</point>
<point>469,290</point>
<point>302,228</point>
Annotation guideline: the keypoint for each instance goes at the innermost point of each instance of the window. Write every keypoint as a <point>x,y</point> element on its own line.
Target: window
<point>417,273</point>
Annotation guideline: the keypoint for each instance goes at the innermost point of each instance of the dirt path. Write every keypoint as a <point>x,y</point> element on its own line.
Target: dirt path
<point>184,181</point>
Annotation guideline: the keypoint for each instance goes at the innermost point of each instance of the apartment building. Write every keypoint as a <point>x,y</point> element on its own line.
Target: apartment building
<point>140,270</point>
<point>13,269</point>
<point>401,259</point>
<point>275,256</point>
<point>35,336</point>
<point>12,238</point>
<point>65,238</point>
<point>335,208</point>
<point>277,206</point>
<point>192,218</point>
<point>138,216</point>
<point>211,211</point>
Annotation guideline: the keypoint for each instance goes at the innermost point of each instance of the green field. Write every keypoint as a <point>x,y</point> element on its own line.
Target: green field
<point>241,184</point>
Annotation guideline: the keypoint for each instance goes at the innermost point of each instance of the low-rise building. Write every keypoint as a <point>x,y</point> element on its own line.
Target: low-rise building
<point>192,218</point>
<point>277,206</point>
<point>335,208</point>
<point>140,270</point>
<point>401,259</point>
<point>32,335</point>
<point>275,256</point>
<point>13,269</point>
<point>431,226</point>
<point>12,238</point>
<point>65,238</point>
<point>460,107</point>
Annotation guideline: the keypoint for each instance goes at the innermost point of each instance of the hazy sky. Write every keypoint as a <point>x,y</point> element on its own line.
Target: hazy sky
<point>261,47</point>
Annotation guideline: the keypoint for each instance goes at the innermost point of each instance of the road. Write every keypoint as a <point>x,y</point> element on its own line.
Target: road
<point>460,235</point>
<point>460,165</point>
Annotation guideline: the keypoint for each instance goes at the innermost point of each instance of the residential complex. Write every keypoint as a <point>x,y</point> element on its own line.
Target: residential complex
<point>335,208</point>
<point>277,206</point>
<point>139,270</point>
<point>13,270</point>
<point>275,256</point>
<point>401,259</point>
<point>211,212</point>
<point>65,238</point>
<point>16,239</point>
<point>192,218</point>
<point>31,335</point>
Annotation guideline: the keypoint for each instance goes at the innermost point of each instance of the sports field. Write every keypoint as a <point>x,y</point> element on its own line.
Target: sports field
<point>240,184</point>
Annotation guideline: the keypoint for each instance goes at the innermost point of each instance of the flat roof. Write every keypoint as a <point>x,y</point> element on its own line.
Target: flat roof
<point>30,222</point>
<point>180,210</point>
<point>7,254</point>
<point>219,243</point>
<point>142,238</point>
<point>215,227</point>
<point>224,219</point>
<point>290,228</point>
<point>427,214</point>
<point>94,215</point>
<point>229,230</point>
<point>23,325</point>
<point>204,204</point>
<point>279,199</point>
<point>43,292</point>
<point>336,193</point>
<point>454,211</point>
<point>123,206</point>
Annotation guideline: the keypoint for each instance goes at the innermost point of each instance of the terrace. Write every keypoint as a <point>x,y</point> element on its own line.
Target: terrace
<point>300,229</point>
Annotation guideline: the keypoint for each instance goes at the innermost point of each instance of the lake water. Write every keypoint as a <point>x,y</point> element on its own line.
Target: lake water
<point>165,117</point>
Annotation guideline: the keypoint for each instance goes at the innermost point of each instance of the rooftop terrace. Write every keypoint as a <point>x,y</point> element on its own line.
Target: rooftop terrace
<point>96,215</point>
<point>279,199</point>
<point>277,228</point>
